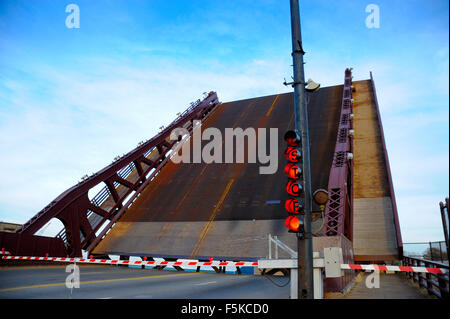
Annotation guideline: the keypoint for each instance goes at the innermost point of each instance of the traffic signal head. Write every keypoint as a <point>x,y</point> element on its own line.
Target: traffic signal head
<point>294,188</point>
<point>292,138</point>
<point>293,171</point>
<point>292,154</point>
<point>293,206</point>
<point>294,224</point>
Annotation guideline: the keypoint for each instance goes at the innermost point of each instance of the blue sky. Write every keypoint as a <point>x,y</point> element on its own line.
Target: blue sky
<point>73,99</point>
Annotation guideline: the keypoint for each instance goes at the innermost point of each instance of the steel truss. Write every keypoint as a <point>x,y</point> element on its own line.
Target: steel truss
<point>339,208</point>
<point>125,179</point>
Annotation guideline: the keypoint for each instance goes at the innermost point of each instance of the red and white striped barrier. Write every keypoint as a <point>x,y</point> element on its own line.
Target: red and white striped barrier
<point>217,264</point>
<point>395,268</point>
<point>4,252</point>
<point>136,262</point>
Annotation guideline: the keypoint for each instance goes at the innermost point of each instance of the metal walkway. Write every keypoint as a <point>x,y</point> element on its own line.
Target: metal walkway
<point>390,286</point>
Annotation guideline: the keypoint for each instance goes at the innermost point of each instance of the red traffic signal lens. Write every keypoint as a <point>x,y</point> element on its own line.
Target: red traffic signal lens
<point>293,223</point>
<point>293,171</point>
<point>292,138</point>
<point>293,206</point>
<point>292,154</point>
<point>294,188</point>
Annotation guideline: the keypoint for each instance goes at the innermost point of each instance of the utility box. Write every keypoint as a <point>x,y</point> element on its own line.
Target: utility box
<point>333,261</point>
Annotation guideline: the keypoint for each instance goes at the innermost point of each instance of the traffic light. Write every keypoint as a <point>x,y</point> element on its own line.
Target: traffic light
<point>294,188</point>
<point>292,154</point>
<point>294,224</point>
<point>292,138</point>
<point>293,206</point>
<point>293,170</point>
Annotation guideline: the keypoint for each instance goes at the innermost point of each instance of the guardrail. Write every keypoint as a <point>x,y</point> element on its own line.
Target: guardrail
<point>436,284</point>
<point>431,251</point>
<point>278,243</point>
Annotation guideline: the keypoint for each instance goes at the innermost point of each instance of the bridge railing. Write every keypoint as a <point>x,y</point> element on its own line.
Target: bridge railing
<point>436,284</point>
<point>432,250</point>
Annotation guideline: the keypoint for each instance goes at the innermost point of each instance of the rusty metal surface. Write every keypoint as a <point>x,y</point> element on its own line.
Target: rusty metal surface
<point>221,209</point>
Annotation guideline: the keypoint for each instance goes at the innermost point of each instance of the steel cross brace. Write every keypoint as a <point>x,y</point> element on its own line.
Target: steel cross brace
<point>73,207</point>
<point>338,211</point>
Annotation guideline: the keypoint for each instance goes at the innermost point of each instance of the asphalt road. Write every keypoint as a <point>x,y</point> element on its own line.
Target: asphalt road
<point>112,282</point>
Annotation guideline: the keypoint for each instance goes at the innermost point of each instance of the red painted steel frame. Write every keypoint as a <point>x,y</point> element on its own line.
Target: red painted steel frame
<point>73,205</point>
<point>339,208</point>
<point>388,170</point>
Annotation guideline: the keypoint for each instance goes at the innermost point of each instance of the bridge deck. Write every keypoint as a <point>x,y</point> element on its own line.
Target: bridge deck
<point>227,210</point>
<point>374,233</point>
<point>204,210</point>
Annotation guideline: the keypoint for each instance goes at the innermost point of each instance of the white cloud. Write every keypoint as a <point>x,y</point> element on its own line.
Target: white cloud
<point>88,117</point>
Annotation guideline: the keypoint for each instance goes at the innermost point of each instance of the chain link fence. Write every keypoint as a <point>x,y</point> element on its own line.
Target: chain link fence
<point>433,250</point>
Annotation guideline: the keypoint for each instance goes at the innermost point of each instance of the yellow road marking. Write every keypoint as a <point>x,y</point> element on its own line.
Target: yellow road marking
<point>92,282</point>
<point>271,107</point>
<point>211,218</point>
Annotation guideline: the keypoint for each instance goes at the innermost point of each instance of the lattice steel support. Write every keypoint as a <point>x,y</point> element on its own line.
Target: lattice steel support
<point>338,211</point>
<point>128,175</point>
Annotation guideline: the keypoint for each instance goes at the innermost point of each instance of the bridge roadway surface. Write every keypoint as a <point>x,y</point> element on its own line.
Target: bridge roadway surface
<point>42,282</point>
<point>101,282</point>
<point>226,210</point>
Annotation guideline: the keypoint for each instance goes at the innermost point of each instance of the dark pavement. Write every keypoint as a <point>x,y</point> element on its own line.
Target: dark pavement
<point>111,282</point>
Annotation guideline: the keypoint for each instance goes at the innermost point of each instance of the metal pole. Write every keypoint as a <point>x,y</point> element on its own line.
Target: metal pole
<point>444,217</point>
<point>276,247</point>
<point>270,247</point>
<point>305,249</point>
<point>431,251</point>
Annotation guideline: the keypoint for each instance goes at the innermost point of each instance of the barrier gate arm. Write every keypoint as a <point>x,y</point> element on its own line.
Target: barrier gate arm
<point>261,264</point>
<point>328,266</point>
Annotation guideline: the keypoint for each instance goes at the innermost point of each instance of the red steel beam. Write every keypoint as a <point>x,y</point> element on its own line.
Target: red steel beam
<point>72,206</point>
<point>339,208</point>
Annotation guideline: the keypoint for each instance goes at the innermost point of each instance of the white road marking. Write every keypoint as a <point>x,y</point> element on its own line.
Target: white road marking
<point>206,283</point>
